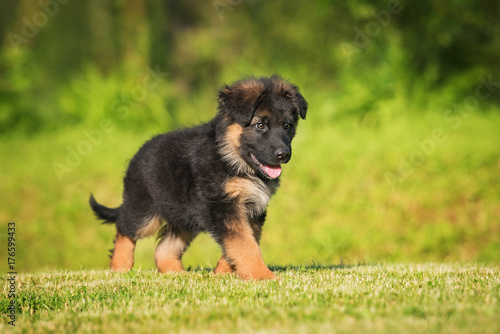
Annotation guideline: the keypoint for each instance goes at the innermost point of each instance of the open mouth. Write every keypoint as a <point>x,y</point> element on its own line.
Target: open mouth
<point>270,171</point>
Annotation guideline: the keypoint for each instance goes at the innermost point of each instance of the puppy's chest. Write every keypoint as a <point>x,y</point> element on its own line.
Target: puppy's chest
<point>252,192</point>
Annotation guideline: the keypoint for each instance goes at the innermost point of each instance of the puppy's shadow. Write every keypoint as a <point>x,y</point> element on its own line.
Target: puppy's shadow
<point>297,268</point>
<point>316,267</point>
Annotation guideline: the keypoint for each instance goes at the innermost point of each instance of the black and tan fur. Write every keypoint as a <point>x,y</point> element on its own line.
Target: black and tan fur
<point>215,178</point>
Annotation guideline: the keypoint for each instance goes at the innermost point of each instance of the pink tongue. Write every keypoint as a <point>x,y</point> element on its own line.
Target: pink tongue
<point>272,172</point>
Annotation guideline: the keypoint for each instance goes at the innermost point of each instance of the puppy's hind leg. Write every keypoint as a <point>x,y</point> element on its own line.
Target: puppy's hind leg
<point>223,266</point>
<point>122,258</point>
<point>168,253</point>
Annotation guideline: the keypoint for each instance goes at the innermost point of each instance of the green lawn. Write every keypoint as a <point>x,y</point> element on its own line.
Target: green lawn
<point>337,199</point>
<point>430,298</point>
<point>336,204</point>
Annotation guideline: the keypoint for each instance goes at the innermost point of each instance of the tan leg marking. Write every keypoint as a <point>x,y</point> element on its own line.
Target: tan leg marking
<point>223,267</point>
<point>168,253</point>
<point>243,251</point>
<point>256,229</point>
<point>122,259</point>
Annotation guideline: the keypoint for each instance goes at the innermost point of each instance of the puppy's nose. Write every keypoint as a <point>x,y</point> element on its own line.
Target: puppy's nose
<point>283,154</point>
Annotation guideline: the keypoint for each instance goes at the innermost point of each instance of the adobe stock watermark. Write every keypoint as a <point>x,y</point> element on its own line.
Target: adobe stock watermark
<point>453,118</point>
<point>223,6</point>
<point>363,37</point>
<point>31,25</point>
<point>121,108</point>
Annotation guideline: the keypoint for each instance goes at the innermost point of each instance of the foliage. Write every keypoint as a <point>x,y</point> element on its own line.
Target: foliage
<point>74,66</point>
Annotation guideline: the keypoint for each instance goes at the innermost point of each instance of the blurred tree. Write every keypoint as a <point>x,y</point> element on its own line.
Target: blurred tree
<point>454,36</point>
<point>105,45</point>
<point>365,51</point>
<point>7,16</point>
<point>160,38</point>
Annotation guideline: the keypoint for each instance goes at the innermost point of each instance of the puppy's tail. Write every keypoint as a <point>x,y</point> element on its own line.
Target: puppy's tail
<point>109,215</point>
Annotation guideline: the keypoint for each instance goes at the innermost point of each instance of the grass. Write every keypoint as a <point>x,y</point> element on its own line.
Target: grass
<point>334,202</point>
<point>430,298</point>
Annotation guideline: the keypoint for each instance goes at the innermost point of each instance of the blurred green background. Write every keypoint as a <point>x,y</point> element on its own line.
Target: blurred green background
<point>398,160</point>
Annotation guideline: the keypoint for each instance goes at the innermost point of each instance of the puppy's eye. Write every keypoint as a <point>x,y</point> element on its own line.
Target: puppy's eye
<point>260,126</point>
<point>287,126</point>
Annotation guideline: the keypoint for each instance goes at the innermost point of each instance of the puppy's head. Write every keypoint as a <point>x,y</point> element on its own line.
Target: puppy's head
<point>263,115</point>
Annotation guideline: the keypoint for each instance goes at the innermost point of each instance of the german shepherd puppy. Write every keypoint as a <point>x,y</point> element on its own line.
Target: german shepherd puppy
<point>216,178</point>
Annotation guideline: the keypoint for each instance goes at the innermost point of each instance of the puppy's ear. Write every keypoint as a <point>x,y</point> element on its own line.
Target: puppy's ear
<point>301,104</point>
<point>241,99</point>
<point>291,92</point>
